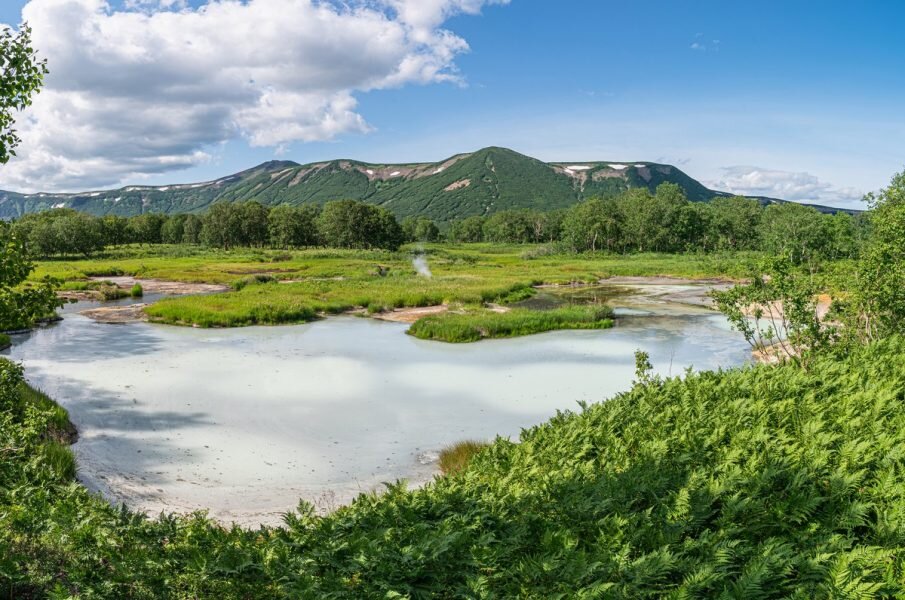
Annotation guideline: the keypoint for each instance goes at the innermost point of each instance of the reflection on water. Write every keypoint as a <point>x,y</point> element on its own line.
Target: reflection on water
<point>246,421</point>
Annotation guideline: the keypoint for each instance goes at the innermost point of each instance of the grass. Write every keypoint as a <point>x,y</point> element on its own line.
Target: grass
<point>475,325</point>
<point>5,341</point>
<point>102,290</point>
<point>456,457</point>
<point>137,291</point>
<point>59,427</point>
<point>327,281</point>
<point>762,482</point>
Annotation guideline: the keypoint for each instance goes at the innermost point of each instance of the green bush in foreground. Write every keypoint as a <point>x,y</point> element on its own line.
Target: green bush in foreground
<point>475,325</point>
<point>765,482</point>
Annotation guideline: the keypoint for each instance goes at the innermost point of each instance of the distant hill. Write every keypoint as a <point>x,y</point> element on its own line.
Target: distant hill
<point>477,183</point>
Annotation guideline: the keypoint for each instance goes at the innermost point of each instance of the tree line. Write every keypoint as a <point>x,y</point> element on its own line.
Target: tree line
<point>340,224</point>
<point>666,221</point>
<point>636,221</point>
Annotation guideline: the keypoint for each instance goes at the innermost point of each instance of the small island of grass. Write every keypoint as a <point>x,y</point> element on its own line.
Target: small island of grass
<point>474,325</point>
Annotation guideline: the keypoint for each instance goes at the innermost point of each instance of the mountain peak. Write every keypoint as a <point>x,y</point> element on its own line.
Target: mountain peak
<point>477,183</point>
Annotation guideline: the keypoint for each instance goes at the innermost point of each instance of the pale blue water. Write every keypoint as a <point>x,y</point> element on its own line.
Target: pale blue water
<point>246,421</point>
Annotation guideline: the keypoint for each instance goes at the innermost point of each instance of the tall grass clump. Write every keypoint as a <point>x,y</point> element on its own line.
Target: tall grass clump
<point>137,291</point>
<point>472,326</point>
<point>5,341</point>
<point>456,457</point>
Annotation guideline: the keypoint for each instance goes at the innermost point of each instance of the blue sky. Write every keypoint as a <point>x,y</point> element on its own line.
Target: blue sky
<point>791,99</point>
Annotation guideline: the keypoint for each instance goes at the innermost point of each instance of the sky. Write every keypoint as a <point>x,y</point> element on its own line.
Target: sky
<point>793,99</point>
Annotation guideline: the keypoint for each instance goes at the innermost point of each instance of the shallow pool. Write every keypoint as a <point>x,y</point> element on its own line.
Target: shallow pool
<point>247,421</point>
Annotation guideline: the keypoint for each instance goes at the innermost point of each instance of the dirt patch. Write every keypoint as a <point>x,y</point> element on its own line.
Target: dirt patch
<point>462,183</point>
<point>157,286</point>
<point>117,315</point>
<point>410,315</point>
<point>79,295</point>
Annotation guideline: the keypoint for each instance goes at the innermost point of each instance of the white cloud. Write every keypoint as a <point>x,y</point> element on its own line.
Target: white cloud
<point>785,185</point>
<point>148,87</point>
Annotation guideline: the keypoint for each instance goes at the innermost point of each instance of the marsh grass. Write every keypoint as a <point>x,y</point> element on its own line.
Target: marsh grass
<point>471,326</point>
<point>137,291</point>
<point>5,341</point>
<point>59,427</point>
<point>318,282</point>
<point>456,457</point>
<point>60,459</point>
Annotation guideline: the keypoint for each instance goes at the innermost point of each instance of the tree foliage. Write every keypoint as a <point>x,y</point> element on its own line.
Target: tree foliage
<point>21,77</point>
<point>21,304</point>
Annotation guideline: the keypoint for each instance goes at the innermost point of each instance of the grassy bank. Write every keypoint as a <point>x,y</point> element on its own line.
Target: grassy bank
<point>474,325</point>
<point>5,341</point>
<point>760,482</point>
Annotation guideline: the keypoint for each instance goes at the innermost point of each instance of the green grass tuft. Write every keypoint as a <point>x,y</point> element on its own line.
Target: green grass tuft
<point>472,326</point>
<point>456,457</point>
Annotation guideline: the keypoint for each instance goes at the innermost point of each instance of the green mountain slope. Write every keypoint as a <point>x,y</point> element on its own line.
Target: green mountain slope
<point>478,183</point>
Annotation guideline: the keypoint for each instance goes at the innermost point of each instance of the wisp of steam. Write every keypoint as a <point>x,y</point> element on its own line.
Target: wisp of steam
<point>420,264</point>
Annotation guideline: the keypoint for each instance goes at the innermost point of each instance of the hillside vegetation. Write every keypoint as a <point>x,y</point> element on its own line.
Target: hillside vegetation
<point>479,183</point>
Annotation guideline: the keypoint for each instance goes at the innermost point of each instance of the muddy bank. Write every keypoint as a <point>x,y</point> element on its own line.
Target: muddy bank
<point>410,315</point>
<point>169,288</point>
<point>117,315</point>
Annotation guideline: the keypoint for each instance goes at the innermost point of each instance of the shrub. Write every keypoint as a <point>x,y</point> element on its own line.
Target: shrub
<point>109,291</point>
<point>253,280</point>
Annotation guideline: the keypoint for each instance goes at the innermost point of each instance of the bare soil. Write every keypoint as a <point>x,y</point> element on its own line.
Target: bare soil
<point>117,315</point>
<point>157,286</point>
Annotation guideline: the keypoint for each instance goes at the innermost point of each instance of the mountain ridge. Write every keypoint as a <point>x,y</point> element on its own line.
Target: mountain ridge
<point>466,184</point>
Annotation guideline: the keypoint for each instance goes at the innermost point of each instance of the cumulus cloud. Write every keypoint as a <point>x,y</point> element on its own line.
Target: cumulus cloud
<point>785,185</point>
<point>151,85</point>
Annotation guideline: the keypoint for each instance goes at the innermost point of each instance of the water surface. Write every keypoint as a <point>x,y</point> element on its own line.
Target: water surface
<point>247,421</point>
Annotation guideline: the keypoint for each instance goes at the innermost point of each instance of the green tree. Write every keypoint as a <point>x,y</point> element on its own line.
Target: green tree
<point>146,228</point>
<point>173,229</point>
<point>21,303</point>
<point>876,306</point>
<point>78,233</point>
<point>591,225</point>
<point>354,224</point>
<point>795,231</point>
<point>733,223</point>
<point>253,216</point>
<point>420,229</point>
<point>293,227</point>
<point>470,229</point>
<point>115,230</point>
<point>221,226</point>
<point>191,229</point>
<point>21,77</point>
<point>510,227</point>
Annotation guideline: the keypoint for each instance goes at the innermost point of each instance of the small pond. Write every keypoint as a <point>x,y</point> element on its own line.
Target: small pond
<point>247,421</point>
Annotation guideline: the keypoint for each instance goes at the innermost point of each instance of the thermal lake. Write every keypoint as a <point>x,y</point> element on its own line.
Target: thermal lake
<point>246,421</point>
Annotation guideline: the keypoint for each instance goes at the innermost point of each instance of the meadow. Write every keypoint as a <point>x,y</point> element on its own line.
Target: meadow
<point>275,287</point>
